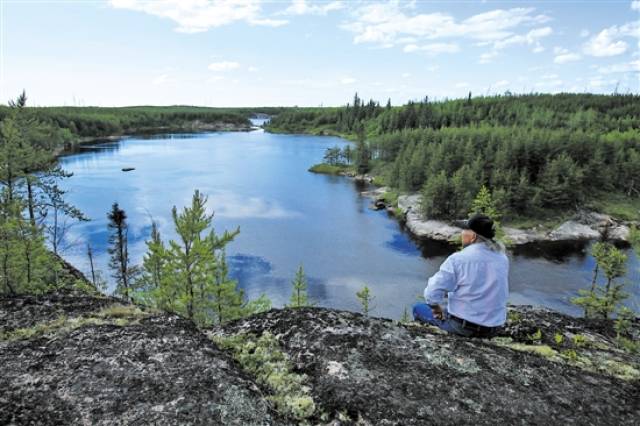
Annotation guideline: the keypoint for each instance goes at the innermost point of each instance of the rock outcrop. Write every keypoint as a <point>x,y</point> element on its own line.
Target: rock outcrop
<point>584,226</point>
<point>77,359</point>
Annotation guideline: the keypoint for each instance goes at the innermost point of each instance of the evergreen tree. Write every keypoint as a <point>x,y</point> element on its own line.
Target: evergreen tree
<point>362,153</point>
<point>366,299</point>
<point>299,297</point>
<point>437,196</point>
<point>123,273</point>
<point>560,183</point>
<point>604,301</point>
<point>154,286</point>
<point>227,301</point>
<point>198,269</point>
<point>25,264</point>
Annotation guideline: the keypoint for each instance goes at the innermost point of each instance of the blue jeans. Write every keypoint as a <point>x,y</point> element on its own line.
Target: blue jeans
<point>422,312</point>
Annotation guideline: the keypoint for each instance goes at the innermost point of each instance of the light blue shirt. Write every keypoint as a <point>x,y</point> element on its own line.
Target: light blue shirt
<point>476,280</point>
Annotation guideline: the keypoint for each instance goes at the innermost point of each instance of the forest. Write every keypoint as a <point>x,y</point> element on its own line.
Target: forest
<point>71,123</point>
<point>188,276</point>
<point>541,155</point>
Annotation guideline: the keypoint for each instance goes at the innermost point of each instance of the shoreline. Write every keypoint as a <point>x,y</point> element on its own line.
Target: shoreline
<point>192,127</point>
<point>584,226</point>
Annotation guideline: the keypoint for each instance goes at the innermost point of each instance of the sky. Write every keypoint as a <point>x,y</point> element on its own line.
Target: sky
<point>311,53</point>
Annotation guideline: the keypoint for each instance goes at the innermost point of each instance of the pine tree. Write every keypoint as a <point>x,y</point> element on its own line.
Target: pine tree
<point>153,286</point>
<point>154,261</point>
<point>299,297</point>
<point>123,273</point>
<point>362,152</point>
<point>25,264</point>
<point>366,299</point>
<point>437,196</point>
<point>561,183</point>
<point>198,266</point>
<point>484,204</point>
<point>604,301</point>
<point>227,302</point>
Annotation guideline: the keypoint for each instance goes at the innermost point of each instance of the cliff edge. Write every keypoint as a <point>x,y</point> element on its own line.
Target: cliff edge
<point>79,359</point>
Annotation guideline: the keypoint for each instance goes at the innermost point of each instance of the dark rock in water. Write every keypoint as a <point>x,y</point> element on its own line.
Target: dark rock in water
<point>128,169</point>
<point>378,205</point>
<point>77,359</point>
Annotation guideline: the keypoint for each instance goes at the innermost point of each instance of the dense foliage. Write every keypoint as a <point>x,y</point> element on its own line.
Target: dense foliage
<point>90,122</point>
<point>189,276</point>
<point>32,207</point>
<point>536,153</point>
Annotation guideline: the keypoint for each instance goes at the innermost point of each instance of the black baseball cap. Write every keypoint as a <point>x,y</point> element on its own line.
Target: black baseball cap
<point>481,225</point>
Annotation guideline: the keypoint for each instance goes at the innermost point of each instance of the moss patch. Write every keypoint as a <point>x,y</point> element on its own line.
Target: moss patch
<point>120,315</point>
<point>542,350</point>
<point>263,358</point>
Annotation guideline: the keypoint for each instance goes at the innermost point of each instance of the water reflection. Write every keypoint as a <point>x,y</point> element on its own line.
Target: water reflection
<point>555,251</point>
<point>287,216</point>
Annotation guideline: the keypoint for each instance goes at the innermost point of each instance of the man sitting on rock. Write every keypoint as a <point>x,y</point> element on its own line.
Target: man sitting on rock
<point>475,280</point>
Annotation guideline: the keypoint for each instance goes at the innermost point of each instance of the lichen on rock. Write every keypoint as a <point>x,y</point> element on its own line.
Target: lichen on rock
<point>119,364</point>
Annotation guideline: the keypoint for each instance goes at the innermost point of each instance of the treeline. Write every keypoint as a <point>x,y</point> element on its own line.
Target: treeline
<point>188,275</point>
<point>566,110</point>
<point>72,123</point>
<point>537,153</point>
<point>98,122</point>
<point>528,170</point>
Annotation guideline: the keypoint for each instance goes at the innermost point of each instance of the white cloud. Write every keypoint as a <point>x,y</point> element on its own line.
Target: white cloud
<point>406,74</point>
<point>303,7</point>
<point>462,85</point>
<point>194,16</point>
<point>567,57</point>
<point>564,55</point>
<point>584,33</point>
<point>433,48</point>
<point>231,205</point>
<point>635,5</point>
<point>347,80</point>
<point>387,24</point>
<point>223,66</point>
<point>253,69</point>
<point>487,57</point>
<point>599,82</point>
<point>530,38</point>
<point>633,66</point>
<point>538,49</point>
<point>608,41</point>
<point>500,84</point>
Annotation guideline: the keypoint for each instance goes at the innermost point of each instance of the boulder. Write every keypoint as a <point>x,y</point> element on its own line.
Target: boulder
<point>572,230</point>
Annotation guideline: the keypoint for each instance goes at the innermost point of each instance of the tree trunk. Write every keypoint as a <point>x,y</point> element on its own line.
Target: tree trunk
<point>595,277</point>
<point>32,216</point>
<point>93,272</point>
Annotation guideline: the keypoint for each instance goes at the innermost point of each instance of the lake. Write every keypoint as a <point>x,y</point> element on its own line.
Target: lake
<point>287,217</point>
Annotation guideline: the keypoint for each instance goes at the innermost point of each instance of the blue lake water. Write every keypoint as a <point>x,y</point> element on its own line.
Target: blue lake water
<point>287,216</point>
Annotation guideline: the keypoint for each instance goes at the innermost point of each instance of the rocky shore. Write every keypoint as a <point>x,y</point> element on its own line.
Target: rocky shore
<point>79,359</point>
<point>584,225</point>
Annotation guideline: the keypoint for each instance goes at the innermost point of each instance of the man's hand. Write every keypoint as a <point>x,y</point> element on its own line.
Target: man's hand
<point>438,313</point>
